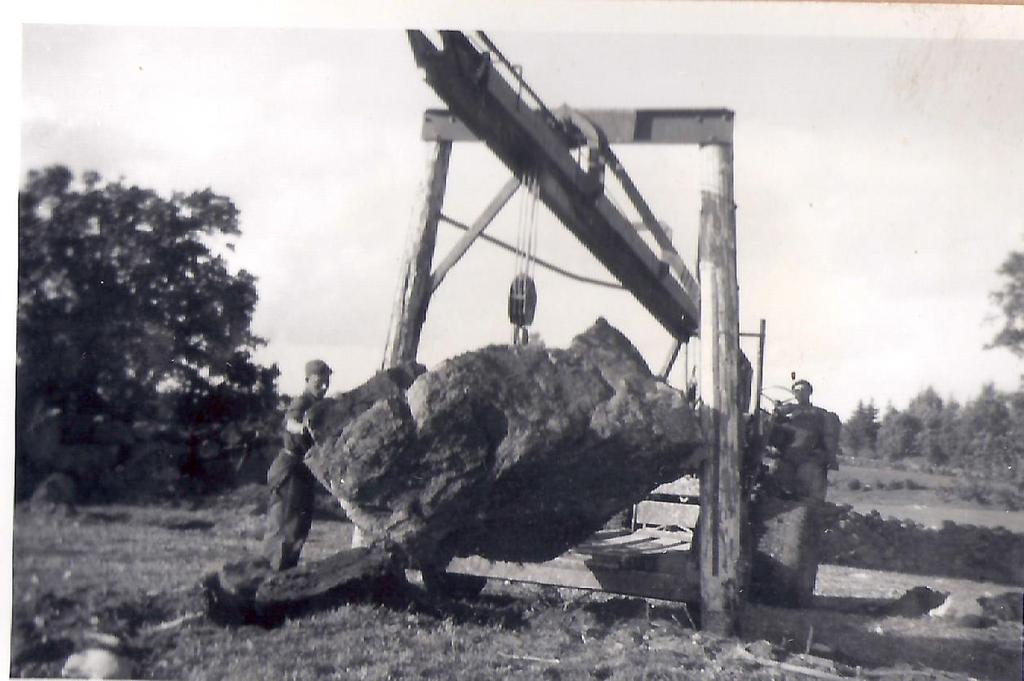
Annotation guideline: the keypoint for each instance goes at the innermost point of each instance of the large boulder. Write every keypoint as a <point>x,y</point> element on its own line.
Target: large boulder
<point>510,453</point>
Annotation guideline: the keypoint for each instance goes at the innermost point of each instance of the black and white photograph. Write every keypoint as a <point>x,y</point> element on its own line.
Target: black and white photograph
<point>579,339</point>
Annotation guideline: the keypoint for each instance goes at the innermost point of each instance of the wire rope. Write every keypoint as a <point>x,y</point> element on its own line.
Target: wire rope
<point>540,262</point>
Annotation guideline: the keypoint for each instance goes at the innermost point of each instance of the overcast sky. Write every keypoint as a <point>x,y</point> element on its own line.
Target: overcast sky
<point>878,177</point>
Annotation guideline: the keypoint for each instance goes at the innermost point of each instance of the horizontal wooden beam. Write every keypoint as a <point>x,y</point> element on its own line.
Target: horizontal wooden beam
<point>637,564</point>
<point>620,126</point>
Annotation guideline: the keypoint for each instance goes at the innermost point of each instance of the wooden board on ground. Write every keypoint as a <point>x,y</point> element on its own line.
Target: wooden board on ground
<point>688,486</point>
<point>645,563</point>
<point>666,514</point>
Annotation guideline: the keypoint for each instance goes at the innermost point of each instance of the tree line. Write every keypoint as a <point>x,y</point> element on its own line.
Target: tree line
<point>983,436</point>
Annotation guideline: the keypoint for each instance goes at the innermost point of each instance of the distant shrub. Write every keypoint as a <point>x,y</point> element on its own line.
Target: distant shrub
<point>1009,499</point>
<point>972,490</point>
<point>897,484</point>
<point>853,485</point>
<point>913,484</point>
<point>985,493</point>
<point>878,485</point>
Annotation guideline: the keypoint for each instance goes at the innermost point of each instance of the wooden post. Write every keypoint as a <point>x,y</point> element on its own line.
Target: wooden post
<point>759,379</point>
<point>723,576</point>
<point>413,296</point>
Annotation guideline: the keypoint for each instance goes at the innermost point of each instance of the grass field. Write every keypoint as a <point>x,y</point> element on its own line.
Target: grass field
<point>930,505</point>
<point>133,571</point>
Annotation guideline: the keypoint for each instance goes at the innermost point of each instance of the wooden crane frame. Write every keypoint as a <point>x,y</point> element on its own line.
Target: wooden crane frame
<point>532,140</point>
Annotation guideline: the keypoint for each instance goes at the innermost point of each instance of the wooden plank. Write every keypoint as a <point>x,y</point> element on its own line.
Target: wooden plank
<point>688,486</point>
<point>665,227</point>
<point>632,543</point>
<point>620,126</point>
<point>670,360</point>
<point>413,295</point>
<point>723,576</point>
<point>670,586</point>
<point>759,379</point>
<point>648,564</point>
<point>475,230</point>
<point>662,513</point>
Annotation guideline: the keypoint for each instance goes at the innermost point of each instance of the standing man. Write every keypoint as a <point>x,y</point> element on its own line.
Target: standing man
<point>292,485</point>
<point>809,444</point>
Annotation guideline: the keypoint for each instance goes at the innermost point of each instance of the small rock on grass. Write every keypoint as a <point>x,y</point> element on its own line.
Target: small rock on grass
<point>1007,606</point>
<point>916,602</point>
<point>765,650</point>
<point>955,606</point>
<point>96,663</point>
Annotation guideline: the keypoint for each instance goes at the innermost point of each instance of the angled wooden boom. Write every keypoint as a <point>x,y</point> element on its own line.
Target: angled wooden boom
<point>530,143</point>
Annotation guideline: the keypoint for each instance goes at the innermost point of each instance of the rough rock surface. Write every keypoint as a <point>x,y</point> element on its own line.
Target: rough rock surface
<point>511,453</point>
<point>249,591</point>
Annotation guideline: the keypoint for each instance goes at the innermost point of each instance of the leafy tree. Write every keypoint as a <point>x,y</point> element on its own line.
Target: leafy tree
<point>989,413</point>
<point>898,434</point>
<point>124,310</point>
<point>933,440</point>
<point>988,428</point>
<point>1010,299</point>
<point>860,432</point>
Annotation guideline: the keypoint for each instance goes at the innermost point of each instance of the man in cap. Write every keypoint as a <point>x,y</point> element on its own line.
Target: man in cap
<point>292,485</point>
<point>808,439</point>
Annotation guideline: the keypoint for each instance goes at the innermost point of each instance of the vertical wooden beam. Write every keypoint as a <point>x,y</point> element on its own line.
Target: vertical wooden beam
<point>414,291</point>
<point>723,577</point>
<point>759,379</point>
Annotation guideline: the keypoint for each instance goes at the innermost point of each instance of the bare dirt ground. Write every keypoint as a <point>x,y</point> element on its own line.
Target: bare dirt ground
<point>133,572</point>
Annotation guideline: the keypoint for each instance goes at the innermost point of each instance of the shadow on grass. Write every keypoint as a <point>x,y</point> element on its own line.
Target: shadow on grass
<point>859,634</point>
<point>106,517</point>
<point>623,610</point>
<point>184,525</point>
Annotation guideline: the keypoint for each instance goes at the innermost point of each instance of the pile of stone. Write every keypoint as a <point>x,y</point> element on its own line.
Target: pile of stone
<point>963,551</point>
